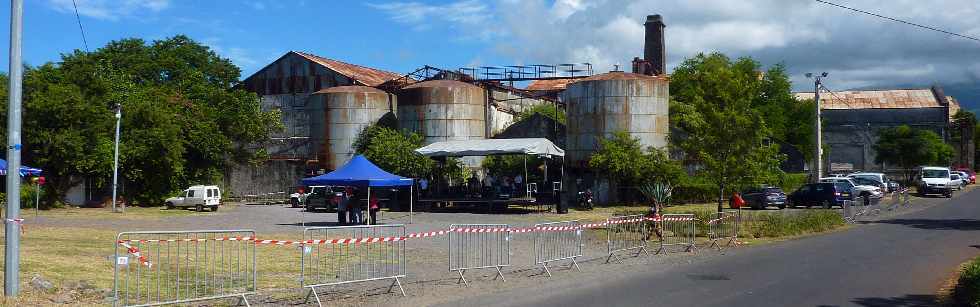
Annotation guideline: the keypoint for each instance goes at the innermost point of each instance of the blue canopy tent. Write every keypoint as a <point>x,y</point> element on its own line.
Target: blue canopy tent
<point>24,170</point>
<point>361,172</point>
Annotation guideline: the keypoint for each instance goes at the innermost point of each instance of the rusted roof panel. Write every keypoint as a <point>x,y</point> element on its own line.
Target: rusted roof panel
<point>548,85</point>
<point>364,75</point>
<point>878,99</point>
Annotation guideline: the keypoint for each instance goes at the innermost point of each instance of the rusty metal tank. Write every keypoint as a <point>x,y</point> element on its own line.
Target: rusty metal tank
<point>443,110</point>
<point>346,110</point>
<point>603,104</point>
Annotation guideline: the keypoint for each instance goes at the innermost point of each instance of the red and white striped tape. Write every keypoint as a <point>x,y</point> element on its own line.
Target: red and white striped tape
<point>132,250</point>
<point>19,222</point>
<point>418,234</point>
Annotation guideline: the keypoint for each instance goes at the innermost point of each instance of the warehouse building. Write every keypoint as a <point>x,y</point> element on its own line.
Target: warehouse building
<point>852,119</point>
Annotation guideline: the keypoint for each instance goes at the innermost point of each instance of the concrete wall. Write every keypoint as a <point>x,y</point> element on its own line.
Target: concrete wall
<point>850,134</point>
<point>270,176</point>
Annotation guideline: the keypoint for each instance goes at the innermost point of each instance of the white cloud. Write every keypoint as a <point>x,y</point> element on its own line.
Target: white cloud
<point>109,9</point>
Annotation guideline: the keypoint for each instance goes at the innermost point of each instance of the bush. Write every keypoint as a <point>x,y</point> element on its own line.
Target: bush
<point>768,225</point>
<point>791,182</point>
<point>967,291</point>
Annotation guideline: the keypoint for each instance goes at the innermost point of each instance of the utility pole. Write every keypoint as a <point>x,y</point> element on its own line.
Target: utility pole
<point>818,152</point>
<point>115,159</point>
<point>11,272</point>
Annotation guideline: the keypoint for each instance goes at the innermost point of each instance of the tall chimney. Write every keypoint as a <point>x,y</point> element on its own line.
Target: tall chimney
<point>654,50</point>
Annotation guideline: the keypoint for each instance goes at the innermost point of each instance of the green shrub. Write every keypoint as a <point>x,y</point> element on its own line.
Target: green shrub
<point>781,225</point>
<point>791,182</point>
<point>967,291</point>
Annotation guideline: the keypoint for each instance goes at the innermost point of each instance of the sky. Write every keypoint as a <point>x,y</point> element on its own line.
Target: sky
<point>858,51</point>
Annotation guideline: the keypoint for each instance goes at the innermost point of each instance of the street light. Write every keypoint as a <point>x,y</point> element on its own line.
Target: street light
<point>115,159</point>
<point>819,149</point>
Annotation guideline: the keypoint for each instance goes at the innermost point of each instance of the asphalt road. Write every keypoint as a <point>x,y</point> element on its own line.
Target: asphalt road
<point>898,261</point>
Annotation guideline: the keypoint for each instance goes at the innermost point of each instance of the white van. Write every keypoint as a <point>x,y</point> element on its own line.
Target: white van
<point>198,197</point>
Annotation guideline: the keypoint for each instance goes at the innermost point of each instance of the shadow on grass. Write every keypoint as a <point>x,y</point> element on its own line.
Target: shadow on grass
<point>910,300</point>
<point>933,224</point>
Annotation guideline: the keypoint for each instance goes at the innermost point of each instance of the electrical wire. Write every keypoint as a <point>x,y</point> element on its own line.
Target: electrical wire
<point>79,19</point>
<point>900,21</point>
<point>835,97</point>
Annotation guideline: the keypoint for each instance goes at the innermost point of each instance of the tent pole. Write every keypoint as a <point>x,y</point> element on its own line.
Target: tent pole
<point>526,178</point>
<point>411,201</point>
<point>368,204</point>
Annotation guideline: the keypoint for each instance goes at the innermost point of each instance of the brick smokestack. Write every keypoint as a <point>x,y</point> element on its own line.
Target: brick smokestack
<point>654,49</point>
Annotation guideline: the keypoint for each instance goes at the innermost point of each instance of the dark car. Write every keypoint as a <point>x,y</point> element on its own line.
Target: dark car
<point>762,197</point>
<point>825,194</point>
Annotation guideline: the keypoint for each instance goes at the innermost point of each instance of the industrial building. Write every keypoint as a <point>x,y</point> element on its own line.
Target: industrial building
<point>852,119</point>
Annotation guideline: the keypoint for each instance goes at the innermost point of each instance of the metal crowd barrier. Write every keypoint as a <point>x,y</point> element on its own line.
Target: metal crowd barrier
<point>677,230</point>
<point>478,246</point>
<point>557,241</point>
<point>724,227</point>
<point>172,267</point>
<point>625,233</point>
<point>383,257</point>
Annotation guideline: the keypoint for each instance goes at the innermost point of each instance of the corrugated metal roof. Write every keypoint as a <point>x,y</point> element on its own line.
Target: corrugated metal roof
<point>877,99</point>
<point>548,85</point>
<point>364,75</point>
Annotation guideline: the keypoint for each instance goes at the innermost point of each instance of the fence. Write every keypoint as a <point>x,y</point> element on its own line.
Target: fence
<point>371,253</point>
<point>478,246</point>
<point>677,230</point>
<point>171,267</point>
<point>557,241</point>
<point>724,227</point>
<point>624,233</point>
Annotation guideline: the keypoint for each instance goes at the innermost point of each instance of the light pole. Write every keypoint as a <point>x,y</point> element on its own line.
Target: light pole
<point>818,152</point>
<point>11,272</point>
<point>115,159</point>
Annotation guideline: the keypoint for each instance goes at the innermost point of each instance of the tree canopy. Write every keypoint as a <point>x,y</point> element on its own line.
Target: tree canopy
<point>721,108</point>
<point>909,148</point>
<point>183,118</point>
<point>623,159</point>
<point>394,151</point>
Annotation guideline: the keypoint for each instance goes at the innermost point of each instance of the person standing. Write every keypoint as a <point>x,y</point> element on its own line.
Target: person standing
<point>424,187</point>
<point>519,185</point>
<point>353,206</point>
<point>340,199</point>
<point>373,208</point>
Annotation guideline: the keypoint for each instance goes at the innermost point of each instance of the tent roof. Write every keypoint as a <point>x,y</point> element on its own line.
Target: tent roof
<point>24,170</point>
<point>487,147</point>
<point>359,172</point>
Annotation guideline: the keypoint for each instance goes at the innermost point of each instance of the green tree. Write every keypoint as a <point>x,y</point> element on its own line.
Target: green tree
<point>544,109</point>
<point>714,102</point>
<point>963,131</point>
<point>394,151</point>
<point>623,160</point>
<point>183,117</point>
<point>910,148</point>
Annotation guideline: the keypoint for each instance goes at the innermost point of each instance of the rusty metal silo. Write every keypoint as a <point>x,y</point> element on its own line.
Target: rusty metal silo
<point>443,110</point>
<point>603,104</point>
<point>346,111</point>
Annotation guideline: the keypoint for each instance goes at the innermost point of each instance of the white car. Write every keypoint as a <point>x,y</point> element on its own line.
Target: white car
<point>935,180</point>
<point>956,180</point>
<point>880,179</point>
<point>863,188</point>
<point>198,197</point>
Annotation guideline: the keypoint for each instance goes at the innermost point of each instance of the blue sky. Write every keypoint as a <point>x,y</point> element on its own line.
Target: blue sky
<point>857,50</point>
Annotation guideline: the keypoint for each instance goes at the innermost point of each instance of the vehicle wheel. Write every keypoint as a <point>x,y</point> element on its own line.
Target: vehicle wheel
<point>170,206</point>
<point>949,194</point>
<point>867,199</point>
<point>214,208</point>
<point>200,208</point>
<point>782,206</point>
<point>294,203</point>
<point>826,204</point>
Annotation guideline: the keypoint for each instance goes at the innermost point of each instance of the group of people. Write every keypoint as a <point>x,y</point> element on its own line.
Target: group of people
<point>489,184</point>
<point>350,211</point>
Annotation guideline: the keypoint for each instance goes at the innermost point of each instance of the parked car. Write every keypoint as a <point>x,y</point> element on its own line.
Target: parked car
<point>964,176</point>
<point>862,188</point>
<point>935,180</point>
<point>971,174</point>
<point>762,197</point>
<point>825,194</point>
<point>319,197</point>
<point>881,180</point>
<point>198,197</point>
<point>298,198</point>
<point>957,181</point>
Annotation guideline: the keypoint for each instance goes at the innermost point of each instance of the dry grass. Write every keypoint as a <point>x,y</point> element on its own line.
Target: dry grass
<point>68,255</point>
